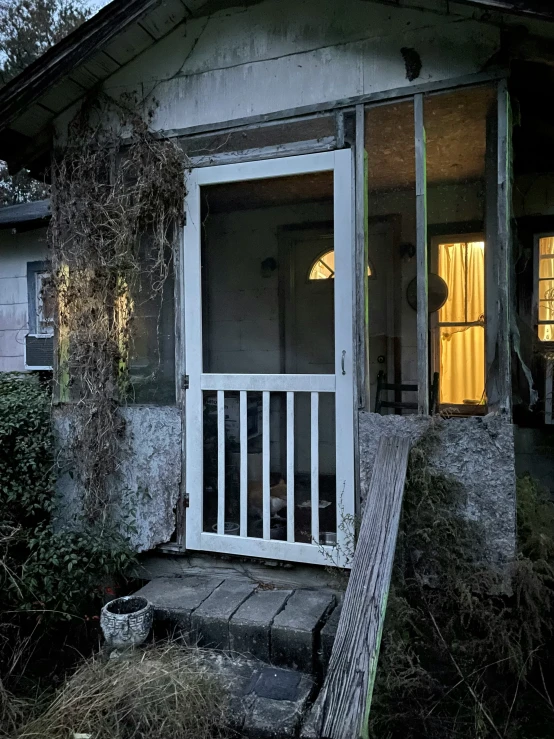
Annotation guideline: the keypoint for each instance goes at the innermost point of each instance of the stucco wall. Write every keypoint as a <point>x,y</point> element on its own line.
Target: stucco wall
<point>146,488</point>
<point>478,453</point>
<point>280,54</point>
<point>15,251</point>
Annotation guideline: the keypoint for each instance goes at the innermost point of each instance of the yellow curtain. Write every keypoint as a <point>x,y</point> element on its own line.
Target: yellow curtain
<point>462,345</point>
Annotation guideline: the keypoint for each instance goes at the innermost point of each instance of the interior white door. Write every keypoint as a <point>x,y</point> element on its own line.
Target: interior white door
<point>234,410</point>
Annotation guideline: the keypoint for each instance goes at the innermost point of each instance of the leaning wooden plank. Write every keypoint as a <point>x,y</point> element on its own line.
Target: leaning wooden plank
<point>342,708</point>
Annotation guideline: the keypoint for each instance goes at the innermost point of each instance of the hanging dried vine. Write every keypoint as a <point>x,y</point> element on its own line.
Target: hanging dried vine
<point>117,199</point>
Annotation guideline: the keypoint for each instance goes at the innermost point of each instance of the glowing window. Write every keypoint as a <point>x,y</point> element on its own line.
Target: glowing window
<point>324,267</point>
<point>461,322</point>
<point>545,284</point>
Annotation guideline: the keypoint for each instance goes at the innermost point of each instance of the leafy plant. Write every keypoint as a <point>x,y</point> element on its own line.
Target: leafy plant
<point>52,573</point>
<point>26,451</point>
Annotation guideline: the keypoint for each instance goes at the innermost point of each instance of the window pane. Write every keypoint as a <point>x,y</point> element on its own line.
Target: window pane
<point>546,268</point>
<point>462,365</point>
<point>546,332</point>
<point>451,269</point>
<point>546,245</point>
<point>152,342</point>
<point>462,267</point>
<point>546,300</point>
<point>475,281</point>
<point>324,267</point>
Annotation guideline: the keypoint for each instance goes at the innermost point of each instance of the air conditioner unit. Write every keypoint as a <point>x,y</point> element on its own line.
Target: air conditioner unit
<point>39,352</point>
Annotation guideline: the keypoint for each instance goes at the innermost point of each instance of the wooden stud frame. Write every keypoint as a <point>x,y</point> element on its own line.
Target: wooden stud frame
<point>421,259</point>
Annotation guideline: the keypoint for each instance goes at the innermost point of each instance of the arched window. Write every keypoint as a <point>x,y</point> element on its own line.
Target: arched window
<point>324,267</point>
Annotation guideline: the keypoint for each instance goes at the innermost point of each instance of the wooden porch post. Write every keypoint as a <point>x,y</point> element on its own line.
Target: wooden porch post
<point>504,243</point>
<point>497,255</point>
<point>360,264</point>
<point>421,259</point>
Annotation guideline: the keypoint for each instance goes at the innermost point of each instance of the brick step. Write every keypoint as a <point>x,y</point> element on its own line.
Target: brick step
<point>286,628</point>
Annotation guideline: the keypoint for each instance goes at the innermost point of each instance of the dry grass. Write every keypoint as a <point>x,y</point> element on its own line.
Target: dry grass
<point>163,692</point>
<point>10,712</point>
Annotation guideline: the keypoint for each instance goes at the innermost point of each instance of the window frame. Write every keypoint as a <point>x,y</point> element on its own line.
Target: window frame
<point>536,281</point>
<point>34,270</point>
<point>434,323</point>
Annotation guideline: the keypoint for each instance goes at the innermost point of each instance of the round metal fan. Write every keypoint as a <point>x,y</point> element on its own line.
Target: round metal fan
<point>437,292</point>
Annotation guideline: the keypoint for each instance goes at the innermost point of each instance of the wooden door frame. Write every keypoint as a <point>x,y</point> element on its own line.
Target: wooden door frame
<point>341,164</point>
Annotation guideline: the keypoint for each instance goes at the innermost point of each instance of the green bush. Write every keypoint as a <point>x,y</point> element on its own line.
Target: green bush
<point>26,451</point>
<point>56,574</point>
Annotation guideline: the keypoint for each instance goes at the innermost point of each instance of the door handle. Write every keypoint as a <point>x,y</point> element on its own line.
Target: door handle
<point>342,361</point>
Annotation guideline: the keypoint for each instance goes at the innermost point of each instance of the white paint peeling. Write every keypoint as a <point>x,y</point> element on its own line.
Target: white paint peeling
<point>279,55</point>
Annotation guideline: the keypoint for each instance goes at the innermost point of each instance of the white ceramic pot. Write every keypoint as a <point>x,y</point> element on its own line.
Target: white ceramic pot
<point>126,622</point>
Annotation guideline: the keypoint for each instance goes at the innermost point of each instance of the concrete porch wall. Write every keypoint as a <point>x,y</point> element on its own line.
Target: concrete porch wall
<point>146,487</point>
<point>477,453</point>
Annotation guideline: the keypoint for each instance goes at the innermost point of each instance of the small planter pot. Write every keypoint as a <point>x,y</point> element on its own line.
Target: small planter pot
<point>126,622</point>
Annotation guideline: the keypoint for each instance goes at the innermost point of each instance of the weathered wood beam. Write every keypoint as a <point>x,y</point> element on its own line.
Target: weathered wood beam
<point>531,8</point>
<point>498,255</point>
<point>360,264</point>
<point>421,259</point>
<point>491,265</point>
<point>342,709</point>
<point>399,93</point>
<point>504,248</point>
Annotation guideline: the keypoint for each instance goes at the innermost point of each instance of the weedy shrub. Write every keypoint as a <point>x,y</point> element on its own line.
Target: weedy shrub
<point>467,650</point>
<point>46,576</point>
<point>26,451</point>
<point>54,574</point>
<point>163,692</point>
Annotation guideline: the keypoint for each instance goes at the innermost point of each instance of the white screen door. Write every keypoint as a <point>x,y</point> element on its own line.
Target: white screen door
<point>269,451</point>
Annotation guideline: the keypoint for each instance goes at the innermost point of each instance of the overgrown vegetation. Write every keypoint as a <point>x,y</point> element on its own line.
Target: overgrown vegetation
<point>46,575</point>
<point>163,692</point>
<point>118,199</point>
<point>467,650</point>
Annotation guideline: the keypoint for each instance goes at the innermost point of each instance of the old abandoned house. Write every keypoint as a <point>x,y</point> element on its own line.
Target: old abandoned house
<point>368,247</point>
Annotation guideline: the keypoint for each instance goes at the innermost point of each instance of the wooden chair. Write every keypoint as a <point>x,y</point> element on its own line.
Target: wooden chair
<point>400,388</point>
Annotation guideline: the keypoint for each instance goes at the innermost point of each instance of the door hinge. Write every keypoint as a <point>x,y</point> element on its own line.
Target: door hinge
<point>185,382</point>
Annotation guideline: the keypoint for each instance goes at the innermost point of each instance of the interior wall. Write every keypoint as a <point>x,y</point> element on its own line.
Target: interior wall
<point>242,328</point>
<point>15,251</point>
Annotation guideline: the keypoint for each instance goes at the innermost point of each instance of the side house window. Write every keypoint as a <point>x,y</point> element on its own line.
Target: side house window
<point>545,288</point>
<point>544,301</point>
<point>39,342</point>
